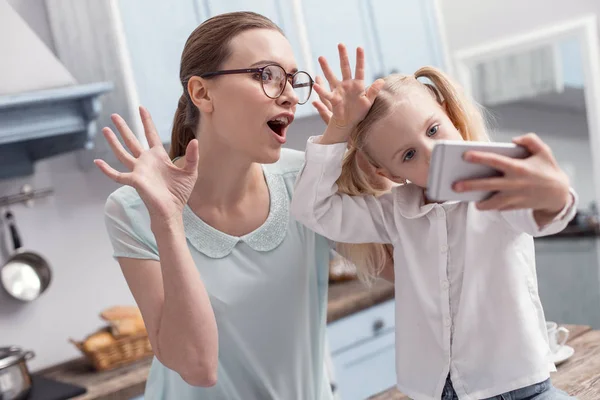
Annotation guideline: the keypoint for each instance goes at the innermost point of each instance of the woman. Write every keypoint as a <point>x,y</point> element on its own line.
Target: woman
<point>232,289</point>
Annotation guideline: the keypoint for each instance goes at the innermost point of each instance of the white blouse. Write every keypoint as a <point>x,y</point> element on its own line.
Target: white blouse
<point>467,300</point>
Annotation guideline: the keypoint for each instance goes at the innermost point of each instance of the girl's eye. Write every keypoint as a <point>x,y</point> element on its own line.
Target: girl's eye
<point>433,130</point>
<point>409,155</point>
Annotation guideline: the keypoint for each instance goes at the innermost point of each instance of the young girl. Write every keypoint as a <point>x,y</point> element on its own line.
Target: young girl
<point>469,320</point>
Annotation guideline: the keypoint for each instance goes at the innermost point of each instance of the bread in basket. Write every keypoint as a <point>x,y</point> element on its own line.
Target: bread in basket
<point>123,341</point>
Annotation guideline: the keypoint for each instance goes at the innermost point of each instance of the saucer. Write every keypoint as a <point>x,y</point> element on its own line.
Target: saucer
<point>563,354</point>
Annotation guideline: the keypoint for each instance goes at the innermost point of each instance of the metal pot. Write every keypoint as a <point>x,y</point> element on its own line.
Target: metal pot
<point>25,275</point>
<point>15,380</point>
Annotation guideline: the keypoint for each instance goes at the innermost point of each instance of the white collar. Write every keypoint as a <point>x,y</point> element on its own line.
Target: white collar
<point>216,244</point>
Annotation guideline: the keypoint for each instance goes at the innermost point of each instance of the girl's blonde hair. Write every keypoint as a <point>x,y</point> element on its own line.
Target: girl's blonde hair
<point>465,114</point>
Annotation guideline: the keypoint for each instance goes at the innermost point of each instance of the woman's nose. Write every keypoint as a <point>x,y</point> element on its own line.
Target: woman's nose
<point>289,96</point>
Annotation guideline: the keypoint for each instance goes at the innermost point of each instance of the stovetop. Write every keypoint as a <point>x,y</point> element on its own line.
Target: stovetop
<point>48,389</point>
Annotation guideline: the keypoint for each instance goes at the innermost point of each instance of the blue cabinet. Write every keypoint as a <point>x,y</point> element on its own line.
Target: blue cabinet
<point>137,44</point>
<point>398,36</point>
<point>406,35</point>
<point>338,21</point>
<point>271,9</point>
<point>280,12</point>
<point>154,40</point>
<point>571,65</point>
<point>362,349</point>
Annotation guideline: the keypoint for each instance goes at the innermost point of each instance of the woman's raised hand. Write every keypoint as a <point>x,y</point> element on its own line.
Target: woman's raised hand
<point>164,187</point>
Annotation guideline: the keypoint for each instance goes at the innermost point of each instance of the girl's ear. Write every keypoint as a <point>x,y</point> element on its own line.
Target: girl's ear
<point>386,174</point>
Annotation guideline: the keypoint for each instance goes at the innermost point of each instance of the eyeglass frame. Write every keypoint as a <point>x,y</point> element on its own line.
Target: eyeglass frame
<point>260,70</point>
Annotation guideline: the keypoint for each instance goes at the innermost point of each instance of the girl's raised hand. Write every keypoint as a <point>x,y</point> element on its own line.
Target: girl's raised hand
<point>536,182</point>
<point>349,99</point>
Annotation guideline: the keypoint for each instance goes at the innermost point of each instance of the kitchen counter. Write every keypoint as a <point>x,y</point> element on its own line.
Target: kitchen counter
<point>573,232</point>
<point>578,376</point>
<point>348,297</point>
<point>126,382</point>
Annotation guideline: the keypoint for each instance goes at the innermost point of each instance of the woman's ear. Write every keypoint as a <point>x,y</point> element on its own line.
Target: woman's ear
<point>198,91</point>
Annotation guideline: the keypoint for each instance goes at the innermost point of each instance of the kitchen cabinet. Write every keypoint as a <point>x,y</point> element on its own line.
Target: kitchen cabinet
<point>137,44</point>
<point>398,36</point>
<point>571,63</point>
<point>44,111</point>
<point>406,35</point>
<point>362,349</point>
<point>155,39</point>
<point>338,21</point>
<point>568,273</point>
<point>44,123</point>
<point>286,15</point>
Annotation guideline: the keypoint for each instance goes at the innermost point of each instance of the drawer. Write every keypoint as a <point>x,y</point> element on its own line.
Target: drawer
<point>366,369</point>
<point>360,327</point>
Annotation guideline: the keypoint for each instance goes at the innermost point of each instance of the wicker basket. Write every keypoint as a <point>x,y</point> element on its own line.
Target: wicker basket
<point>125,350</point>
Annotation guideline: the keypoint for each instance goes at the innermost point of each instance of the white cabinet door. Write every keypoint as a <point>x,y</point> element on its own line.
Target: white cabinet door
<point>337,21</point>
<point>568,273</point>
<point>155,32</point>
<point>269,8</point>
<point>366,369</point>
<point>331,22</point>
<point>280,12</point>
<point>406,35</point>
<point>363,352</point>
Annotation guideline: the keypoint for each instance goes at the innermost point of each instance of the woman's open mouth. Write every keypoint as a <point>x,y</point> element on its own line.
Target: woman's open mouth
<point>278,126</point>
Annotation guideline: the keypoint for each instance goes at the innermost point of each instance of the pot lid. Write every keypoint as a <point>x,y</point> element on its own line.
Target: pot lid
<point>13,355</point>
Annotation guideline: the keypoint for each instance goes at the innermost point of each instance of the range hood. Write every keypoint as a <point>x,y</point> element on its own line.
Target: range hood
<point>43,110</point>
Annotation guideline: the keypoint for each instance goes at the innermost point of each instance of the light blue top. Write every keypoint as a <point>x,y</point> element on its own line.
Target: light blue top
<point>268,290</point>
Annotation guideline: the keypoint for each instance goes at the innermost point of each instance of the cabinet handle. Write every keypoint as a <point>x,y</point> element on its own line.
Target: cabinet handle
<point>378,326</point>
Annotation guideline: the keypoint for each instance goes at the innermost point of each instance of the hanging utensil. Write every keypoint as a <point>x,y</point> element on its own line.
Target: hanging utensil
<point>25,275</point>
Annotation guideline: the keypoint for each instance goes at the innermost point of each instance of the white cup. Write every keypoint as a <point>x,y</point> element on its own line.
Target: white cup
<point>557,335</point>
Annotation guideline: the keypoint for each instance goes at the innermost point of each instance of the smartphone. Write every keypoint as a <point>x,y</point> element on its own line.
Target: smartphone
<point>447,166</point>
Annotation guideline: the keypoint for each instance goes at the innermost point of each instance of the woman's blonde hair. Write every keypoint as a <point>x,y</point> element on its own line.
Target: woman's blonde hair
<point>465,114</point>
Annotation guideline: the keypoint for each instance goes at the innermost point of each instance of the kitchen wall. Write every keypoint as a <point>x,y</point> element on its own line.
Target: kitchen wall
<point>68,229</point>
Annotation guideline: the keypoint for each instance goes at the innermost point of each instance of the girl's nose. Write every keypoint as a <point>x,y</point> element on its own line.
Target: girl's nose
<point>428,150</point>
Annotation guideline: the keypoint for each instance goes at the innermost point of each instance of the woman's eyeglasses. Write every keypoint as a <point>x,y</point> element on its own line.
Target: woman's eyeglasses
<point>273,80</point>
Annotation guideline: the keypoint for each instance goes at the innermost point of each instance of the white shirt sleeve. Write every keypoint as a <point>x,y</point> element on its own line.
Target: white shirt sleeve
<point>339,217</point>
<point>524,221</point>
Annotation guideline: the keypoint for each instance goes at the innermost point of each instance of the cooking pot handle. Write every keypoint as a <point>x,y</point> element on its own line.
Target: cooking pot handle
<point>29,355</point>
<point>13,230</point>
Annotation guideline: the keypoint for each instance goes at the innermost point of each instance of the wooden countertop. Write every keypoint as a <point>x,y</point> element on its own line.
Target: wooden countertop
<point>124,383</point>
<point>578,376</point>
<point>348,297</point>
